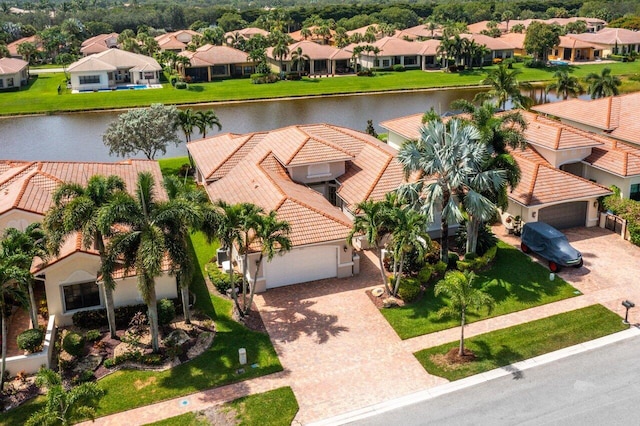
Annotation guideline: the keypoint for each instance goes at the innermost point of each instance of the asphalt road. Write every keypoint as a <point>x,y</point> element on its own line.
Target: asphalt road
<point>599,387</point>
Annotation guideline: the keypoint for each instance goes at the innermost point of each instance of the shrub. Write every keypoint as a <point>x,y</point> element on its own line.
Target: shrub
<point>293,76</point>
<point>365,73</point>
<point>259,78</point>
<point>452,260</point>
<point>166,311</point>
<point>399,68</point>
<point>619,58</point>
<point>181,85</point>
<point>474,262</point>
<point>85,376</point>
<point>490,255</point>
<point>152,359</point>
<point>497,61</point>
<point>98,318</point>
<point>30,340</point>
<point>173,81</point>
<point>470,256</point>
<point>409,289</point>
<point>425,274</point>
<point>534,63</point>
<point>486,238</point>
<point>219,279</point>
<point>73,344</point>
<point>92,335</point>
<point>109,363</point>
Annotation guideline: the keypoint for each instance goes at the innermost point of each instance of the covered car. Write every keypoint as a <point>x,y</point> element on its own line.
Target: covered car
<point>551,244</point>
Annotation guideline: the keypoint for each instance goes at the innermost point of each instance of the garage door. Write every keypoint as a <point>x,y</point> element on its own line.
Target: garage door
<point>301,265</point>
<point>567,215</point>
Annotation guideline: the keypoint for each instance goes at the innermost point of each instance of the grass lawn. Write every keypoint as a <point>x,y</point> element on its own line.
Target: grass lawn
<point>514,281</point>
<point>503,347</point>
<point>274,408</point>
<point>41,96</point>
<point>128,389</point>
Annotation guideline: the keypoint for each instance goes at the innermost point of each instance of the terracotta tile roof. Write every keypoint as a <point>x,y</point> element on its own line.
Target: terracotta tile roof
<point>99,43</point>
<point>252,168</point>
<point>516,40</point>
<point>391,46</point>
<point>112,59</point>
<point>408,126</point>
<point>315,51</point>
<point>13,46</point>
<point>419,31</point>
<point>615,115</point>
<point>490,42</point>
<point>502,26</point>
<point>570,42</point>
<point>551,134</point>
<point>540,183</point>
<point>610,37</point>
<point>616,157</point>
<point>297,35</point>
<point>215,55</point>
<point>12,65</point>
<point>248,32</point>
<point>177,40</point>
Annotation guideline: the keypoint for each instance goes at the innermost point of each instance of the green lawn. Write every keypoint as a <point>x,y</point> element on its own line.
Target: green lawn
<point>216,367</point>
<point>41,96</point>
<point>513,344</point>
<point>514,281</point>
<point>274,408</point>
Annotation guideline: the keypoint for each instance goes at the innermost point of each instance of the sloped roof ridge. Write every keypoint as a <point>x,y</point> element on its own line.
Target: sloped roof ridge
<point>320,212</point>
<point>271,179</point>
<point>324,141</point>
<point>558,136</point>
<point>28,180</point>
<point>378,177</point>
<point>240,145</point>
<point>25,169</point>
<point>379,146</point>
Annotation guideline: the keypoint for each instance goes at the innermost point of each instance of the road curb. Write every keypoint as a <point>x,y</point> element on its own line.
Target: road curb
<point>512,369</point>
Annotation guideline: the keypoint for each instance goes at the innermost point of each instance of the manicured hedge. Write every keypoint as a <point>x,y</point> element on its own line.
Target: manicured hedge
<point>97,318</point>
<point>30,340</point>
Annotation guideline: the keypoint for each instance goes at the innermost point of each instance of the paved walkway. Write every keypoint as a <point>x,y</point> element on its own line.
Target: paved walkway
<point>339,354</point>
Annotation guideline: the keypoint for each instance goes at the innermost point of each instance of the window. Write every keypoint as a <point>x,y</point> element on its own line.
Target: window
<point>10,82</point>
<point>386,63</point>
<point>634,193</point>
<point>410,60</point>
<point>219,70</point>
<point>89,79</point>
<point>149,75</point>
<point>1,83</point>
<point>83,295</point>
<point>331,194</point>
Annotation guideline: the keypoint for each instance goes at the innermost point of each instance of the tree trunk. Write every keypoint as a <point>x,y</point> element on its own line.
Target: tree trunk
<point>152,308</point>
<point>245,261</point>
<point>4,346</point>
<point>462,333</point>
<point>109,286</point>
<point>382,271</point>
<point>444,240</point>
<point>253,287</point>
<point>186,312</point>
<point>33,312</point>
<point>399,275</point>
<point>234,294</point>
<point>473,227</point>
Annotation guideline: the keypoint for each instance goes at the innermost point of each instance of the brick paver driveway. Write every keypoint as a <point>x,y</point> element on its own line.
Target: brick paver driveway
<point>338,352</point>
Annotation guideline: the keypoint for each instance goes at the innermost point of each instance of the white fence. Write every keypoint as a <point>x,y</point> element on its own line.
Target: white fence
<point>31,363</point>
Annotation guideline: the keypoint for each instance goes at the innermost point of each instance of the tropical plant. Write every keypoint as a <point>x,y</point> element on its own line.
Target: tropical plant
<point>463,296</point>
<point>447,163</point>
<point>207,119</point>
<point>150,231</point>
<point>249,215</point>
<point>603,84</point>
<point>565,85</point>
<point>299,59</point>
<point>75,209</point>
<point>187,121</point>
<point>503,86</point>
<point>65,406</point>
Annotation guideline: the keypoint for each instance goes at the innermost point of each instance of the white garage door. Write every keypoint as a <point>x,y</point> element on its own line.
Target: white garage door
<point>301,265</point>
<point>566,215</point>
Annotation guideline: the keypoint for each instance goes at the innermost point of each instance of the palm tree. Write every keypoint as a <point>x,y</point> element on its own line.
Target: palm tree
<point>372,221</point>
<point>182,63</point>
<point>446,160</point>
<point>504,86</point>
<point>458,286</point>
<point>409,234</point>
<point>603,84</point>
<point>75,209</point>
<point>305,32</point>
<point>565,84</point>
<point>13,277</point>
<point>27,50</point>
<point>32,243</point>
<point>280,51</point>
<point>299,59</point>
<point>207,119</point>
<point>150,231</point>
<point>187,120</point>
<point>249,215</point>
<point>65,406</point>
<point>272,236</point>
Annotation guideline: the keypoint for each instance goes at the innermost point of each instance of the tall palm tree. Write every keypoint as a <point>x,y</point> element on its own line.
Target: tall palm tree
<point>207,119</point>
<point>444,161</point>
<point>250,216</point>
<point>504,86</point>
<point>75,209</point>
<point>13,277</point>
<point>187,121</point>
<point>565,84</point>
<point>305,33</point>
<point>32,243</point>
<point>64,406</point>
<point>603,84</point>
<point>409,234</point>
<point>272,236</point>
<point>299,59</point>
<point>150,230</point>
<point>462,297</point>
<point>372,221</point>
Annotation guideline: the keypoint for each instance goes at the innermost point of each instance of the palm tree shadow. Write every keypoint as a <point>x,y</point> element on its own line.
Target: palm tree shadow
<point>505,357</point>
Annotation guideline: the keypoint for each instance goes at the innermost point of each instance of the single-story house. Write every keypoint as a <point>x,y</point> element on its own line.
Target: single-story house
<point>209,62</point>
<point>297,36</point>
<point>419,32</point>
<point>323,59</point>
<point>546,192</point>
<point>498,49</point>
<point>70,280</point>
<point>574,50</point>
<point>176,41</point>
<point>99,43</point>
<point>13,46</point>
<point>247,33</point>
<point>112,67</point>
<point>593,24</point>
<point>14,73</point>
<point>617,41</point>
<point>313,176</point>
<point>396,51</point>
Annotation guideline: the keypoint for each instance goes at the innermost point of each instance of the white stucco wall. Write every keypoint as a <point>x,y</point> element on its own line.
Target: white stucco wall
<point>75,80</point>
<point>558,158</point>
<point>302,174</point>
<point>18,219</point>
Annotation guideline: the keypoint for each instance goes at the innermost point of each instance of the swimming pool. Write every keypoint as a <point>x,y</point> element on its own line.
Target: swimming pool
<point>126,87</point>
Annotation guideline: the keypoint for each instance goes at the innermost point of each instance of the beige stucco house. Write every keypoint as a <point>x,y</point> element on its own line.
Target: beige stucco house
<point>607,41</point>
<point>111,68</point>
<point>322,59</point>
<point>176,41</point>
<point>99,43</point>
<point>312,176</point>
<point>14,73</point>
<point>209,62</point>
<point>70,279</point>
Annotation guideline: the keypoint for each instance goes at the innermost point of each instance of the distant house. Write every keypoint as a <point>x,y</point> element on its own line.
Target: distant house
<point>14,73</point>
<point>549,190</point>
<point>574,50</point>
<point>13,46</point>
<point>209,62</point>
<point>313,176</point>
<point>297,36</point>
<point>69,280</point>
<point>176,41</point>
<point>323,59</point>
<point>246,33</point>
<point>111,68</point>
<point>396,51</point>
<point>99,43</point>
<point>497,48</point>
<point>617,41</point>
<point>593,24</point>
<point>419,32</point>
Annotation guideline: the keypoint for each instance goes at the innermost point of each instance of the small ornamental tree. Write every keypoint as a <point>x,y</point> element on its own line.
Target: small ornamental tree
<point>145,130</point>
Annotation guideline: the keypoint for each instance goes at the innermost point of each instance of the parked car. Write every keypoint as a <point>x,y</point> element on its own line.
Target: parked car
<point>551,244</point>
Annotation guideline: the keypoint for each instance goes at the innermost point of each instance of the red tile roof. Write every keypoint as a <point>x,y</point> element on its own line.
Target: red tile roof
<point>208,55</point>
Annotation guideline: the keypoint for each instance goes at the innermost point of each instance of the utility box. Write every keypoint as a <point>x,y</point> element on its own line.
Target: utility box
<point>242,354</point>
<point>221,256</point>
